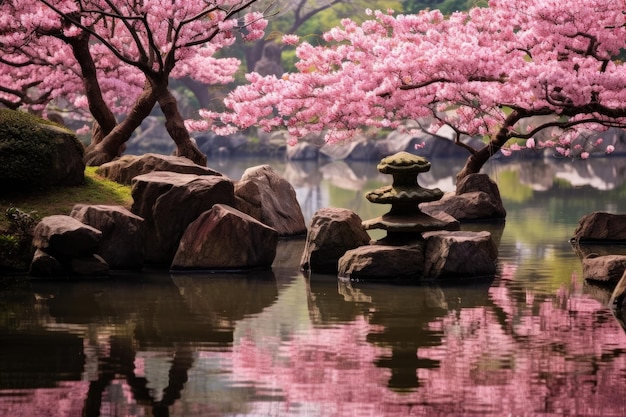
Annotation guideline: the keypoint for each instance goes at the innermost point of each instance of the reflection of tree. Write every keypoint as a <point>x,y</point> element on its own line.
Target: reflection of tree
<point>98,328</point>
<point>231,345</point>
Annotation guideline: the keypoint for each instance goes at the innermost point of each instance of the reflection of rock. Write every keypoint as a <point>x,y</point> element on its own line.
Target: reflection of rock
<point>598,291</point>
<point>341,175</point>
<point>607,269</point>
<point>223,299</point>
<point>302,151</point>
<point>357,149</point>
<point>602,173</point>
<point>402,316</point>
<point>303,173</point>
<point>540,178</point>
<point>617,297</point>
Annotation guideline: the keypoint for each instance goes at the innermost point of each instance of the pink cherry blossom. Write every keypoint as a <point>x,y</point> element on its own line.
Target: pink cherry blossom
<point>507,71</point>
<point>291,39</point>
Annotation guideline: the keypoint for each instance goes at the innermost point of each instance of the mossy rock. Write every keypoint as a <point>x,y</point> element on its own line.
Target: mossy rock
<point>36,153</point>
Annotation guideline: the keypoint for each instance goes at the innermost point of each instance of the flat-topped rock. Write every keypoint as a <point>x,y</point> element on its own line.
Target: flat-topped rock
<point>124,169</point>
<point>601,226</point>
<point>459,254</point>
<point>381,262</point>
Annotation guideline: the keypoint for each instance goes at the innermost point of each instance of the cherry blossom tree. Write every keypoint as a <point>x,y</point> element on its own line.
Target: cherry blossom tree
<point>489,71</point>
<point>116,58</point>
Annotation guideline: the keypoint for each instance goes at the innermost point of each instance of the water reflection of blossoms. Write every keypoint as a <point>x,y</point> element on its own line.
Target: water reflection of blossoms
<point>554,355</point>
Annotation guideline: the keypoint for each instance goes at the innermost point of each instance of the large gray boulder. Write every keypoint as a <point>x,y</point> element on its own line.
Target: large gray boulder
<point>64,237</point>
<point>122,233</point>
<point>459,254</point>
<point>476,198</point>
<point>608,269</point>
<point>225,238</point>
<point>169,202</point>
<point>381,262</point>
<point>601,226</point>
<point>333,231</point>
<point>269,198</point>
<point>124,169</point>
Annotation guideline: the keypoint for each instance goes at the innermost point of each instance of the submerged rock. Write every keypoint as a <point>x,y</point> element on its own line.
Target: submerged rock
<point>382,262</point>
<point>459,254</point>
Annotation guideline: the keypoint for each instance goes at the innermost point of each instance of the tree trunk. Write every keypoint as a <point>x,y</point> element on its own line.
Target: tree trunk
<point>174,123</point>
<point>475,162</point>
<point>479,158</point>
<point>155,90</point>
<point>112,145</point>
<point>105,121</point>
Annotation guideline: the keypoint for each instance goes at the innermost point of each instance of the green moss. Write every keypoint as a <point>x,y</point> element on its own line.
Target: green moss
<point>27,149</point>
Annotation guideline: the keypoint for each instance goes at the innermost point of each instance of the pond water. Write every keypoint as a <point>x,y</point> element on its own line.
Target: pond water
<point>535,340</point>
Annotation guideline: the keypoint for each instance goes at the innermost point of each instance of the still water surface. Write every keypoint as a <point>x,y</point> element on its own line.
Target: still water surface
<point>535,340</point>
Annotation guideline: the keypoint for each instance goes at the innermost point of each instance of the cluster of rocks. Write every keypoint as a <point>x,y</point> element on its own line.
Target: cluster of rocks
<point>598,239</point>
<point>418,245</point>
<point>188,217</point>
<point>89,242</point>
<point>183,216</point>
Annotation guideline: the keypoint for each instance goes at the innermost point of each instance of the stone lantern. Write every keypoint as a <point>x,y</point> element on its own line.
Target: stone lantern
<point>405,222</point>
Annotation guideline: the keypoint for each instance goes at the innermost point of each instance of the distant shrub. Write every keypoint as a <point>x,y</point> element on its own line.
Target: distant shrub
<point>27,149</point>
